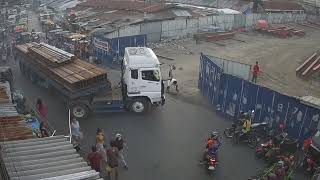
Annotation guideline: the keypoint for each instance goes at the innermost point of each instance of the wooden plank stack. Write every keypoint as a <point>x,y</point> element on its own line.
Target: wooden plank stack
<point>14,128</point>
<point>61,67</point>
<point>283,31</point>
<point>4,98</point>
<point>309,67</point>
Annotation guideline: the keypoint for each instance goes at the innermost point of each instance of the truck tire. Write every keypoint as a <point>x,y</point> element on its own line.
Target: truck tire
<point>139,105</point>
<point>79,111</point>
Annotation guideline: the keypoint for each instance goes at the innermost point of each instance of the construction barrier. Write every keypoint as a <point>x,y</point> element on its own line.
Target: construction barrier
<point>233,94</point>
<point>111,50</point>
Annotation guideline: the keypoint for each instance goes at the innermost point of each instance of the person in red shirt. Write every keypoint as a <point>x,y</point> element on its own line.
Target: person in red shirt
<point>256,70</point>
<point>42,109</point>
<point>94,159</point>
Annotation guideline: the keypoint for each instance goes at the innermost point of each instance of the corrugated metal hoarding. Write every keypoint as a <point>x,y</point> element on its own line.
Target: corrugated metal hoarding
<point>231,67</point>
<point>234,94</point>
<point>111,50</point>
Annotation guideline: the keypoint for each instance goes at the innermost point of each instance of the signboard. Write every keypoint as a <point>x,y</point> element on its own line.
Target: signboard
<point>102,45</point>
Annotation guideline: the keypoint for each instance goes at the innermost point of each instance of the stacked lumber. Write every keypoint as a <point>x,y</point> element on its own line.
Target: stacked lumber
<point>14,128</point>
<point>4,98</point>
<point>214,36</point>
<point>309,67</point>
<point>73,74</point>
<point>283,31</point>
<point>311,25</point>
<point>50,54</point>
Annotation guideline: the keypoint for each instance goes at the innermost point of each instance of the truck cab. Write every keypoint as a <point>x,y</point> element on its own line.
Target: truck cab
<point>141,87</point>
<point>142,80</point>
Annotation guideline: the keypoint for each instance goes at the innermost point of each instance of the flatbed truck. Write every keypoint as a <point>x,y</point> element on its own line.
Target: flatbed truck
<point>141,86</point>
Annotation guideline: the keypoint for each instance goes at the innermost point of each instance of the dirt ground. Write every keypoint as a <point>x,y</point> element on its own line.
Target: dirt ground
<point>278,60</point>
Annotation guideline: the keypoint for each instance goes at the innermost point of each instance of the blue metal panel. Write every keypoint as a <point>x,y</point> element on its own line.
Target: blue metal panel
<point>310,123</point>
<point>264,104</point>
<point>223,91</point>
<point>280,111</point>
<point>234,89</point>
<point>249,96</point>
<point>295,118</point>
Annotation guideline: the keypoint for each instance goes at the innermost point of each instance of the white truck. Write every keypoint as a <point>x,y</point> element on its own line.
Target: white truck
<point>141,86</point>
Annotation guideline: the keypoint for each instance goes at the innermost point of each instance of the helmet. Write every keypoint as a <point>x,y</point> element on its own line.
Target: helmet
<point>118,136</point>
<point>280,163</point>
<point>210,142</point>
<point>214,134</point>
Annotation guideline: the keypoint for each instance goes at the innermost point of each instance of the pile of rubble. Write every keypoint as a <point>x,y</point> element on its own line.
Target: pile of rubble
<point>175,45</point>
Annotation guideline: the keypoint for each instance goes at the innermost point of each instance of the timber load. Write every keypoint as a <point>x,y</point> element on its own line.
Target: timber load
<point>61,67</point>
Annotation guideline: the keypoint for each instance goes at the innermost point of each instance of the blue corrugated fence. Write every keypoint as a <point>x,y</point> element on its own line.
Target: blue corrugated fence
<point>112,50</point>
<point>234,94</point>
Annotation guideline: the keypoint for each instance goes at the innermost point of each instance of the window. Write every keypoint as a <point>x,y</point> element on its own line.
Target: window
<point>151,75</point>
<point>134,73</point>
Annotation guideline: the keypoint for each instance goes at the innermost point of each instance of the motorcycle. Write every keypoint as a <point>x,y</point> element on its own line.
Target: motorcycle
<point>263,149</point>
<point>271,143</point>
<point>210,164</point>
<point>287,146</point>
<point>249,138</point>
<point>261,128</point>
<point>310,161</point>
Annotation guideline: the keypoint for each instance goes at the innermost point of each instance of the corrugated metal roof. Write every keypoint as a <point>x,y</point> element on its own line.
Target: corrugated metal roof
<point>50,158</point>
<point>8,110</point>
<point>181,13</point>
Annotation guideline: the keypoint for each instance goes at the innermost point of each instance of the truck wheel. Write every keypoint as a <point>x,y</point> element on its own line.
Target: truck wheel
<point>79,111</point>
<point>139,105</point>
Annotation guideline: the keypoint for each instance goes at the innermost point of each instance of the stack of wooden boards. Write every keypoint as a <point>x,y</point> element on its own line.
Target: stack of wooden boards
<point>4,96</point>
<point>283,31</point>
<point>62,67</point>
<point>309,67</point>
<point>14,128</point>
<point>214,36</point>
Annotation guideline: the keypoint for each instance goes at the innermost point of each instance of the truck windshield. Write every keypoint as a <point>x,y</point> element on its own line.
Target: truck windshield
<point>150,75</point>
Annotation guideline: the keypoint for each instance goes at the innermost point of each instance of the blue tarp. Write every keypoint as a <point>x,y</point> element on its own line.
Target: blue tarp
<point>234,94</point>
<point>112,50</point>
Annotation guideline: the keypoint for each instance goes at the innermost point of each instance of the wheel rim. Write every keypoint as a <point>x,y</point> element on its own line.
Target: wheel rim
<point>138,107</point>
<point>78,112</point>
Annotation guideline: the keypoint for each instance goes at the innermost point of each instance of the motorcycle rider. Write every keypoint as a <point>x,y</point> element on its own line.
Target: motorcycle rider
<point>246,126</point>
<point>212,146</point>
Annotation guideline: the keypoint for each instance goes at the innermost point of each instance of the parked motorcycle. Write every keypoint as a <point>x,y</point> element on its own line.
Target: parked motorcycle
<point>271,143</point>
<point>288,146</point>
<point>249,138</point>
<point>311,160</point>
<point>263,149</point>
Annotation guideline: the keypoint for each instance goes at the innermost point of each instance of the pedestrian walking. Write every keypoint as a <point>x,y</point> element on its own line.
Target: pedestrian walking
<point>75,129</point>
<point>256,70</point>
<point>101,148</point>
<point>94,158</point>
<point>112,162</point>
<point>119,143</point>
<point>42,109</point>
<point>100,139</point>
<point>76,134</point>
